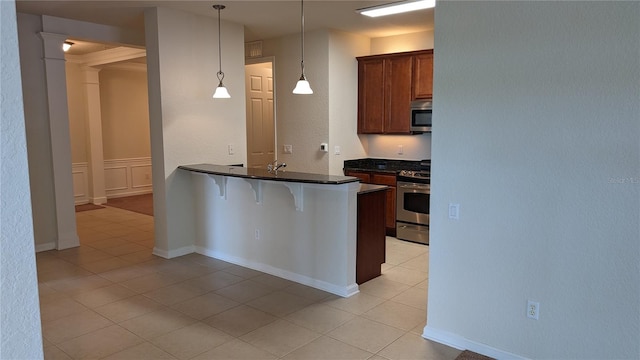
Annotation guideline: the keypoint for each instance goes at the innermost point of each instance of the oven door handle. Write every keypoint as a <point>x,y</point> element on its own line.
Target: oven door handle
<point>415,187</point>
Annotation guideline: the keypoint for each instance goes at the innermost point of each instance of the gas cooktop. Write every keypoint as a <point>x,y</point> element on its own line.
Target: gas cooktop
<point>423,177</point>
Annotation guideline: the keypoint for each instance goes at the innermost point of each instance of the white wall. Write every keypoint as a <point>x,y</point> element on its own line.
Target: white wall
<point>77,102</point>
<point>405,42</point>
<point>37,129</point>
<point>301,120</point>
<point>343,99</point>
<point>124,104</point>
<point>536,137</point>
<point>20,333</point>
<point>187,125</point>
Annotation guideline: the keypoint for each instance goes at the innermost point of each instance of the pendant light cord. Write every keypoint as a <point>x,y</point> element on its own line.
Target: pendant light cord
<point>220,74</point>
<point>302,33</point>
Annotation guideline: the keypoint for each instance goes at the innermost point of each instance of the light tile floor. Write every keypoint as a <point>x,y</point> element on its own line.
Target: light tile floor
<point>111,298</point>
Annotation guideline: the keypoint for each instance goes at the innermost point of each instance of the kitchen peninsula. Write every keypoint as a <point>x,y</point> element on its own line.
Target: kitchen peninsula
<point>298,226</point>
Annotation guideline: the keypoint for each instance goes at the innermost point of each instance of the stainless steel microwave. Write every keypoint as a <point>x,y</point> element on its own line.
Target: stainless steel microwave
<point>421,116</point>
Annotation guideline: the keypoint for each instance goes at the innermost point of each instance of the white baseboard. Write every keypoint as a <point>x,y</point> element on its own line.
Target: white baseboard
<point>46,246</point>
<point>461,343</point>
<point>344,291</point>
<point>174,253</point>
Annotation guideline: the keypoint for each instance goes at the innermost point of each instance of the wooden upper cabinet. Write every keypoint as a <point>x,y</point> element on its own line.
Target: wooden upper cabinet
<point>371,96</point>
<point>422,76</point>
<point>397,94</point>
<point>386,86</point>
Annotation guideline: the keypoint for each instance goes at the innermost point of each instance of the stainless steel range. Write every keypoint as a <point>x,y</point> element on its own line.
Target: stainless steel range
<point>412,212</point>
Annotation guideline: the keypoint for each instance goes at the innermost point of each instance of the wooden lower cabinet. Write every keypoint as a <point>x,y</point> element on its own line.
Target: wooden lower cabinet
<point>390,193</point>
<point>370,248</point>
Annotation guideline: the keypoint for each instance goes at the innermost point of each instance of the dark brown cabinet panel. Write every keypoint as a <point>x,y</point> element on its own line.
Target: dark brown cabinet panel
<point>397,94</point>
<point>423,76</point>
<point>386,85</point>
<point>390,212</point>
<point>363,176</point>
<point>371,96</point>
<point>370,247</point>
<point>390,194</point>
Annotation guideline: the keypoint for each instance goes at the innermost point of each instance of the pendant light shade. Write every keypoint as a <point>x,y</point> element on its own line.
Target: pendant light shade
<point>302,87</point>
<point>66,46</point>
<point>221,91</point>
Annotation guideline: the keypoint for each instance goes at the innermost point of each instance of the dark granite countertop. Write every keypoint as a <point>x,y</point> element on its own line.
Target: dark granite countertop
<point>367,188</point>
<point>385,165</point>
<point>263,174</point>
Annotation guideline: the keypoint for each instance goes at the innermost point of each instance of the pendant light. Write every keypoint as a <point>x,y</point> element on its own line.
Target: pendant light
<point>221,91</point>
<point>66,46</point>
<point>302,87</point>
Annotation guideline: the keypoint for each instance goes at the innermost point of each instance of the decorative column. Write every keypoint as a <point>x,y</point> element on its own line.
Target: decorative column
<point>56,86</point>
<point>97,193</point>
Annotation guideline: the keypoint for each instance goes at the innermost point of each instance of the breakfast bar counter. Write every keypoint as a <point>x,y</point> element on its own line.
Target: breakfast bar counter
<point>298,226</point>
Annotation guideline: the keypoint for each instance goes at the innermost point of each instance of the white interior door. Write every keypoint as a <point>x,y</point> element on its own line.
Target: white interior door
<point>261,131</point>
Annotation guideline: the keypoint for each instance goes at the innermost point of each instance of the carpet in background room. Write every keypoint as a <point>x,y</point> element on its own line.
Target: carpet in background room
<point>142,204</point>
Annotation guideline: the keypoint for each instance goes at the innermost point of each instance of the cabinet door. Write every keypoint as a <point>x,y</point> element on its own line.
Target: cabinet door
<point>370,96</point>
<point>398,94</point>
<point>423,76</point>
<point>390,211</point>
<point>364,177</point>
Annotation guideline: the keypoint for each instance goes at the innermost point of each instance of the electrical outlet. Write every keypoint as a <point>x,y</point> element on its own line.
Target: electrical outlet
<point>287,149</point>
<point>230,148</point>
<point>336,150</point>
<point>533,310</point>
<point>454,211</point>
<point>257,234</point>
<point>400,149</point>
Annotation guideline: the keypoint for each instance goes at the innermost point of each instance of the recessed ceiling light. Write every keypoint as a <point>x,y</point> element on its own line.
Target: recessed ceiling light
<point>397,8</point>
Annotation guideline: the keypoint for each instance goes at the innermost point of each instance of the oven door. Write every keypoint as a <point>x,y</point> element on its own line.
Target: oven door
<point>413,203</point>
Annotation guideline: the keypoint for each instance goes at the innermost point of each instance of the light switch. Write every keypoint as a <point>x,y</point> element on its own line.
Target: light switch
<point>231,150</point>
<point>336,150</point>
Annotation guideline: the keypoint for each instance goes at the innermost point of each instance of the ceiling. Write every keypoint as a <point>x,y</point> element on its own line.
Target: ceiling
<point>262,19</point>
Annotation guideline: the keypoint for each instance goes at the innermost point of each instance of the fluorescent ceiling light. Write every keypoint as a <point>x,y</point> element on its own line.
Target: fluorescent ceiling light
<point>397,8</point>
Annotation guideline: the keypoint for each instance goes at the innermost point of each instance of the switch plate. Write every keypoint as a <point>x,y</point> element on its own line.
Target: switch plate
<point>230,149</point>
<point>336,150</point>
<point>287,149</point>
<point>454,211</point>
<point>400,149</point>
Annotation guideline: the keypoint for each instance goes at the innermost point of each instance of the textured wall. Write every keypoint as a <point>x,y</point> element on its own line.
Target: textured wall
<point>187,125</point>
<point>77,100</point>
<point>301,120</point>
<point>405,42</point>
<point>343,99</point>
<point>124,104</point>
<point>536,137</point>
<point>37,129</point>
<point>20,334</point>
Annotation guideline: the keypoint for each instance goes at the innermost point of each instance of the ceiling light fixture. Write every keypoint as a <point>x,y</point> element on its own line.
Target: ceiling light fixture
<point>221,91</point>
<point>302,87</point>
<point>397,8</point>
<point>66,46</point>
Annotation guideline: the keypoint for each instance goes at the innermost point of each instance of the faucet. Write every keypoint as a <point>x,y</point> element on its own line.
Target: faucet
<point>274,166</point>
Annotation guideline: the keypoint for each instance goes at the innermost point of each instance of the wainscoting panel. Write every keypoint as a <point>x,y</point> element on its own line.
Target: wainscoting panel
<point>126,177</point>
<point>79,172</point>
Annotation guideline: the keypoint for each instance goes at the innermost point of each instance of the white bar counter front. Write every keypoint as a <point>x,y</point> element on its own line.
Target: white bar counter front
<point>298,226</point>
